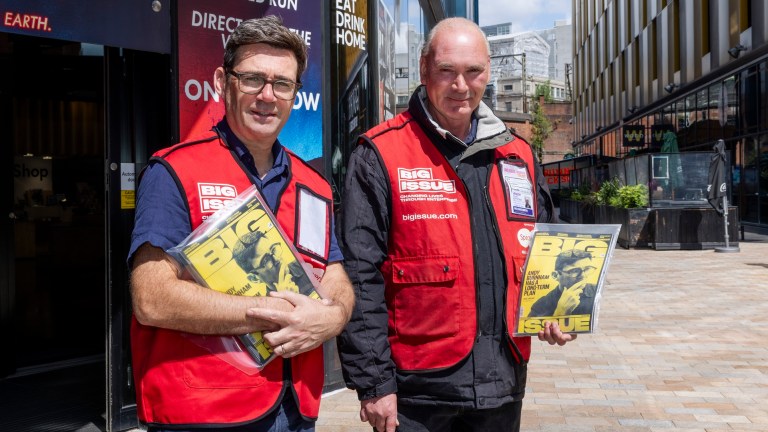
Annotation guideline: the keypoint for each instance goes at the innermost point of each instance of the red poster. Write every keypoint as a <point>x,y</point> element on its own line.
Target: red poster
<point>203,30</point>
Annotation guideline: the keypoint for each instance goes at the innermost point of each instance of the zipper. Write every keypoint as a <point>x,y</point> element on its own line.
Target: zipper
<point>499,243</point>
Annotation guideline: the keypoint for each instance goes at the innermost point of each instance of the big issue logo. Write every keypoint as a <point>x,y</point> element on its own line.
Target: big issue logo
<point>214,197</point>
<point>421,180</point>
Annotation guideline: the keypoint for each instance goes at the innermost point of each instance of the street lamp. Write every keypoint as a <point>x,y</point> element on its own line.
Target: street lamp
<point>503,57</point>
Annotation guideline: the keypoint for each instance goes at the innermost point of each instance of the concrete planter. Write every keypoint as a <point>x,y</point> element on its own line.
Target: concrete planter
<point>658,228</point>
<point>693,228</point>
<point>576,212</point>
<point>636,229</point>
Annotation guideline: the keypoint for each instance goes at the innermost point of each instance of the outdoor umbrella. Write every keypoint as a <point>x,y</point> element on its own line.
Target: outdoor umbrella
<point>717,186</point>
<point>717,190</point>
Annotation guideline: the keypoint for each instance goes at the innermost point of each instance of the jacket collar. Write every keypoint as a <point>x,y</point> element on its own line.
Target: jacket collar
<point>487,124</point>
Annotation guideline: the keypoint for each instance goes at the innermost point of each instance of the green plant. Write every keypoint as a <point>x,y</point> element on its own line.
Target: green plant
<point>576,195</point>
<point>608,190</point>
<point>590,199</point>
<point>580,193</point>
<point>544,90</point>
<point>540,130</point>
<point>634,196</point>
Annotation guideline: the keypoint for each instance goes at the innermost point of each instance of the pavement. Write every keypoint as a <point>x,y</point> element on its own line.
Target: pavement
<point>681,346</point>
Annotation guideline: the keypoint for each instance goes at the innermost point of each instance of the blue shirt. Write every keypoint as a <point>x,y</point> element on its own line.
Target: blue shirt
<point>161,216</point>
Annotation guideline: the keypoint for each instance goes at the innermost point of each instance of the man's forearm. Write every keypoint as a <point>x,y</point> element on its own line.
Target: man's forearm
<point>162,299</point>
<point>338,288</point>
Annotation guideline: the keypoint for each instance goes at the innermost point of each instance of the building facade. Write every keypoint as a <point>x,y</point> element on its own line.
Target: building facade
<point>697,68</point>
<point>523,61</point>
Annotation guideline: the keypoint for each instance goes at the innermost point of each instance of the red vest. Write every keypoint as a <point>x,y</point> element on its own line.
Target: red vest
<point>177,381</point>
<point>430,268</point>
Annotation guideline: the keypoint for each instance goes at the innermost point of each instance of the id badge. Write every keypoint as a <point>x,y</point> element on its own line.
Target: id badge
<point>518,189</point>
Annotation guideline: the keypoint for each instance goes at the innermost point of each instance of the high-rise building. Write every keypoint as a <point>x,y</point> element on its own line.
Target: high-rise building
<point>520,62</point>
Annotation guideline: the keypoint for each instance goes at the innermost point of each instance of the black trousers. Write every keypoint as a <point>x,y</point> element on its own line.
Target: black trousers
<point>505,418</point>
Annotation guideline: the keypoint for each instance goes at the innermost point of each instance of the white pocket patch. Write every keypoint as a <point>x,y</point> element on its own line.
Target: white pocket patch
<point>312,228</point>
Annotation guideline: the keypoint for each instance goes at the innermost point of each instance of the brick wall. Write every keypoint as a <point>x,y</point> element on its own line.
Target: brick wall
<point>558,144</point>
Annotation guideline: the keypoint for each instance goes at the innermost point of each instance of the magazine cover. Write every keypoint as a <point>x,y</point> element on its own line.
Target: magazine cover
<point>563,277</point>
<point>241,250</point>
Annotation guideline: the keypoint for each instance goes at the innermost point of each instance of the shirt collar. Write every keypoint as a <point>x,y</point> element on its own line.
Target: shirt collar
<point>421,93</point>
<point>280,164</point>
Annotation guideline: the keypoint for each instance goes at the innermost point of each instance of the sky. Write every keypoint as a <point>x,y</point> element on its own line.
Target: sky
<point>524,15</point>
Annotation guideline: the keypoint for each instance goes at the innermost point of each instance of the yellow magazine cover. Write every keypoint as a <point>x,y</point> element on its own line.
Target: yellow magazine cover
<point>563,277</point>
<point>241,250</point>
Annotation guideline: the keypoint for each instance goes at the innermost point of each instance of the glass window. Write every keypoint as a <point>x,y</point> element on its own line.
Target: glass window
<point>763,77</point>
<point>749,95</point>
<point>762,171</point>
<point>750,175</point>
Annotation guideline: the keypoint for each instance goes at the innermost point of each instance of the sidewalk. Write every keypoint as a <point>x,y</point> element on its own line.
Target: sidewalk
<point>682,345</point>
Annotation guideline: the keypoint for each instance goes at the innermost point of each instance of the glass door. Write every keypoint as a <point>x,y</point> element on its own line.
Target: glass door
<point>54,147</point>
<point>52,234</point>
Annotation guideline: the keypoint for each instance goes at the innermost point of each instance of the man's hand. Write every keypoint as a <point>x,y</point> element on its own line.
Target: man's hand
<point>552,334</point>
<point>570,298</point>
<point>380,412</point>
<point>309,324</point>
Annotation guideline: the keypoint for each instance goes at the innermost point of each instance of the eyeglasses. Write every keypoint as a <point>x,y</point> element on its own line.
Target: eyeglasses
<point>252,84</point>
<point>578,271</point>
<point>269,260</point>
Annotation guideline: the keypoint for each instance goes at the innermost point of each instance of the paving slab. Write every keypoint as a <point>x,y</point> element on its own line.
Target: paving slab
<point>681,346</point>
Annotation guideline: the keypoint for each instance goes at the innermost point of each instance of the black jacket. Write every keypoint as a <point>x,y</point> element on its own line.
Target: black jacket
<point>489,376</point>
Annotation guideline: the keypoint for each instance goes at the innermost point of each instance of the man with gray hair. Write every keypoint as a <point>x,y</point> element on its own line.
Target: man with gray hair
<point>434,233</point>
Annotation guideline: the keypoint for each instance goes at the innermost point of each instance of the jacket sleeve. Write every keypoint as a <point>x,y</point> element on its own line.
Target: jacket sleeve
<point>363,346</point>
<point>546,205</point>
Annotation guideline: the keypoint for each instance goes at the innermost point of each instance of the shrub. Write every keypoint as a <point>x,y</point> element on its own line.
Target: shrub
<point>581,193</point>
<point>608,190</point>
<point>614,194</point>
<point>634,196</point>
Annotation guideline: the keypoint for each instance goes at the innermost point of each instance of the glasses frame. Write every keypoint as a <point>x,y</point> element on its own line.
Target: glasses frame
<point>270,258</point>
<point>582,271</point>
<point>239,76</point>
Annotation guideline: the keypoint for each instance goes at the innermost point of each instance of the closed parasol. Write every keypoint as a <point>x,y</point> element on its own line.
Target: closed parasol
<point>717,190</point>
<point>717,186</point>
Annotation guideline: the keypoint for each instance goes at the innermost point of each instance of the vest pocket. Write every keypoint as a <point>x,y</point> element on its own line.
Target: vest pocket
<point>426,301</point>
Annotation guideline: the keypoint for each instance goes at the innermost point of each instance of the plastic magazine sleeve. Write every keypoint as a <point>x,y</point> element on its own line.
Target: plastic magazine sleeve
<point>563,277</point>
<point>241,250</point>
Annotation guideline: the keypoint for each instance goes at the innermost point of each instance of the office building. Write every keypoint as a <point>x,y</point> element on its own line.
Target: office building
<point>696,68</point>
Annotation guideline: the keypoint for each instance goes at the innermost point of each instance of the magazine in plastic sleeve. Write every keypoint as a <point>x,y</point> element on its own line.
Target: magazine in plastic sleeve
<point>563,277</point>
<point>241,250</point>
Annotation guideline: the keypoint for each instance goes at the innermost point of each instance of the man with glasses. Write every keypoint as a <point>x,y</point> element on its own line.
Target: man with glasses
<point>263,261</point>
<point>188,372</point>
<point>573,295</point>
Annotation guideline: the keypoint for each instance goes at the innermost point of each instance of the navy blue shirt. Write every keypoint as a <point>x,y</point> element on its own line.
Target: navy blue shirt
<point>161,216</point>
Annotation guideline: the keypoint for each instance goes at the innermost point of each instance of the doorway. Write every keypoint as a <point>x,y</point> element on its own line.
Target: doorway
<point>53,96</point>
<point>80,117</point>
<point>52,273</point>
